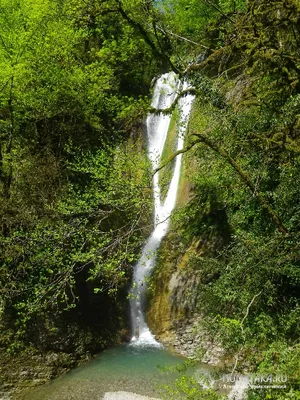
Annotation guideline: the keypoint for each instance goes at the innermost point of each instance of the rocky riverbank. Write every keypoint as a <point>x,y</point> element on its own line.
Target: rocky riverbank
<point>188,338</point>
<point>192,342</point>
<point>20,373</point>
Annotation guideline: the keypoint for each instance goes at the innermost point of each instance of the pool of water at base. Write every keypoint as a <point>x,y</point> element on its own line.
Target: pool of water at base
<point>128,368</point>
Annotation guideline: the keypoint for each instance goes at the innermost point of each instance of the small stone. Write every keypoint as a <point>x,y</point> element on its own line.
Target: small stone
<point>37,358</point>
<point>37,382</point>
<point>52,358</point>
<point>24,374</point>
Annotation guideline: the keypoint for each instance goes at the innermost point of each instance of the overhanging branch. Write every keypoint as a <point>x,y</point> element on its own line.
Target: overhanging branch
<point>174,155</point>
<point>245,179</point>
<point>242,174</point>
<point>137,26</point>
<point>170,109</point>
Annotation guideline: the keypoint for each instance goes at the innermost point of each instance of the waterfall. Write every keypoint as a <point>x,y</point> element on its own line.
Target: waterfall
<point>165,92</point>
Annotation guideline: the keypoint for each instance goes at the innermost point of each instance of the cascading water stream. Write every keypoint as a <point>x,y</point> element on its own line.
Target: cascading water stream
<point>165,92</point>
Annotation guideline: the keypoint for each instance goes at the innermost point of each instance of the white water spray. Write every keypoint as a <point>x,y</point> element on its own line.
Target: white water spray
<point>165,92</point>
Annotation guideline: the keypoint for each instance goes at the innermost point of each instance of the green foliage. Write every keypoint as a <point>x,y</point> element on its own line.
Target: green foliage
<point>75,194</point>
<point>96,228</point>
<point>279,360</point>
<point>190,26</point>
<point>244,181</point>
<point>75,189</point>
<point>187,387</point>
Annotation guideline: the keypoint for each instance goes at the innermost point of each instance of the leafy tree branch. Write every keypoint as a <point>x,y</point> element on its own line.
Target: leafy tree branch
<point>242,174</point>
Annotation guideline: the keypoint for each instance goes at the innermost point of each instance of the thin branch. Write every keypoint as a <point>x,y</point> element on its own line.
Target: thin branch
<point>144,33</point>
<point>248,308</point>
<point>180,37</point>
<point>219,10</point>
<point>203,64</point>
<point>170,109</point>
<point>174,155</point>
<point>246,179</point>
<point>243,332</point>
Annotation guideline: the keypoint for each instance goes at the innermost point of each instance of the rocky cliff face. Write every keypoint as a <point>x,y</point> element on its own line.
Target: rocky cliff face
<point>173,313</point>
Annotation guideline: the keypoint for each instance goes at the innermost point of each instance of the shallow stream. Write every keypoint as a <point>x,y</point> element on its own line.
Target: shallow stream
<point>127,368</point>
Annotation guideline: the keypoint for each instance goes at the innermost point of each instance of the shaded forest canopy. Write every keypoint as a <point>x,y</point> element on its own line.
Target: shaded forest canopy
<point>75,194</point>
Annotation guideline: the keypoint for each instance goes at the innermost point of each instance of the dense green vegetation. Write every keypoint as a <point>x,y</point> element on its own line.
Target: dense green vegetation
<point>75,193</point>
<point>244,135</point>
<point>74,190</point>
